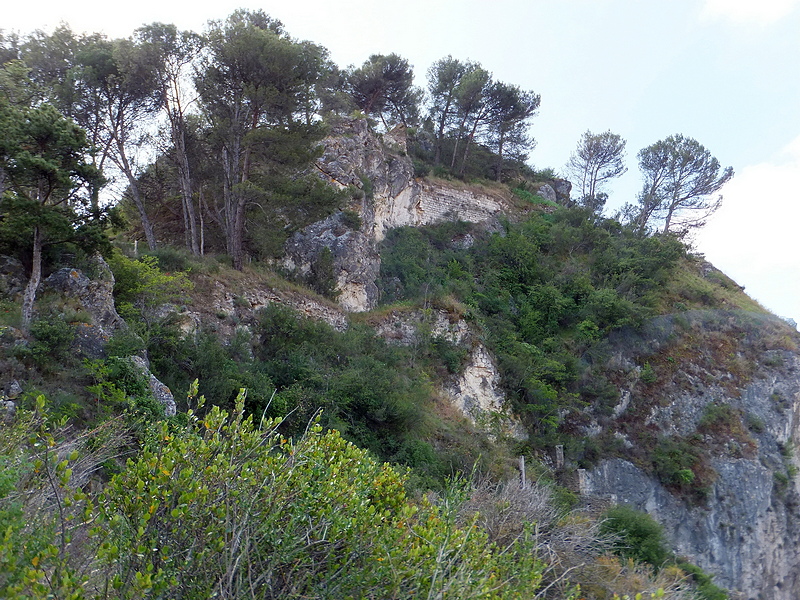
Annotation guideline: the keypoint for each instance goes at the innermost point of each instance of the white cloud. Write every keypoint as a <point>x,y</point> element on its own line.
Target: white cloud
<point>753,238</point>
<point>749,11</point>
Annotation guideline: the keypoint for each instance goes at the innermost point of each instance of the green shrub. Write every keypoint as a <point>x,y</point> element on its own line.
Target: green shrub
<point>755,423</point>
<point>171,258</point>
<point>706,590</point>
<point>638,536</point>
<point>648,375</point>
<point>367,186</point>
<point>532,198</point>
<point>449,354</point>
<point>10,312</point>
<point>421,169</point>
<point>123,343</point>
<point>140,286</point>
<point>332,522</point>
<point>52,339</point>
<point>351,219</point>
<point>682,467</point>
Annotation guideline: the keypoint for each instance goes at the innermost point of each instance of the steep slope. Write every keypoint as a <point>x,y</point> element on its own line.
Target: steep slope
<point>702,431</point>
<point>666,388</point>
<point>386,195</point>
<point>719,405</point>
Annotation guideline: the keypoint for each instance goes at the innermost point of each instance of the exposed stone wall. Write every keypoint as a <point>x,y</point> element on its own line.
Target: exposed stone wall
<point>427,203</point>
<point>747,533</point>
<point>356,158</point>
<point>225,309</point>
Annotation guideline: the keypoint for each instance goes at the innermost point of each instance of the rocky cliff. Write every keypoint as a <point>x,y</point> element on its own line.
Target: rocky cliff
<point>386,195</point>
<point>475,389</point>
<point>723,387</point>
<point>702,436</point>
<point>88,303</point>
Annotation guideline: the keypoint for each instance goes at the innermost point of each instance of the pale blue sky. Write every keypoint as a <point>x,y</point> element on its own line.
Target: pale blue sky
<point>725,72</point>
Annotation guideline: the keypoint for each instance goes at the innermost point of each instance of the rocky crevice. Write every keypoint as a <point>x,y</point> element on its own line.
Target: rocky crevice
<point>475,388</point>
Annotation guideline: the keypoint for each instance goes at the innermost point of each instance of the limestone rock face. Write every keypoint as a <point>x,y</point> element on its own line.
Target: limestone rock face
<point>94,296</point>
<point>562,188</point>
<point>355,261</point>
<point>475,389</point>
<point>547,192</point>
<point>226,309</point>
<point>160,391</point>
<point>747,531</point>
<point>390,197</point>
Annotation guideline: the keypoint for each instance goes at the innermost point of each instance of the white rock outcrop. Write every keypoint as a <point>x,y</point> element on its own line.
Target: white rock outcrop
<point>389,197</point>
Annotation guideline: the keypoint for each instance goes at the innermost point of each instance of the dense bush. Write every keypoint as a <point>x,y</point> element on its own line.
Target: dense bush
<point>222,507</point>
<point>140,286</point>
<point>293,367</point>
<point>227,506</point>
<point>638,536</point>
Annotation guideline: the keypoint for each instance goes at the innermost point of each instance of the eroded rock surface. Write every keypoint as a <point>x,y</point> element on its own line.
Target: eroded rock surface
<point>93,295</point>
<point>160,392</point>
<point>475,388</point>
<point>388,196</point>
<point>746,531</point>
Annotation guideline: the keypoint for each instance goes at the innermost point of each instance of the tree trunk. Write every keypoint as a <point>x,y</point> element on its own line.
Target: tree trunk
<point>184,174</point>
<point>234,204</point>
<point>470,137</point>
<point>33,283</point>
<point>237,246</point>
<point>668,220</point>
<point>500,144</point>
<point>202,223</point>
<point>147,226</point>
<point>440,135</point>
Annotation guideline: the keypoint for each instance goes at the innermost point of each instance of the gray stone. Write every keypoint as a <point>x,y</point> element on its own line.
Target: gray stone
<point>95,295</point>
<point>13,390</point>
<point>747,533</point>
<point>13,277</point>
<point>160,391</point>
<point>355,157</point>
<point>547,192</point>
<point>562,188</point>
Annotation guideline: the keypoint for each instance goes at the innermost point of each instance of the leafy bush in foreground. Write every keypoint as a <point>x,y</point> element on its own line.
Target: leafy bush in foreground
<point>222,507</point>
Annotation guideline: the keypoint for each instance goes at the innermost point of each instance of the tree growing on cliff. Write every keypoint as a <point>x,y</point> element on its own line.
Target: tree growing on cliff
<point>167,56</point>
<point>384,86</point>
<point>252,87</point>
<point>680,180</point>
<point>116,73</point>
<point>598,158</point>
<point>444,77</point>
<point>510,109</point>
<point>472,109</point>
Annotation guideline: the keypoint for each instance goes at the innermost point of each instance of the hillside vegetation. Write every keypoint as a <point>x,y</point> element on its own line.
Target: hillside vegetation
<point>546,293</point>
<point>313,455</point>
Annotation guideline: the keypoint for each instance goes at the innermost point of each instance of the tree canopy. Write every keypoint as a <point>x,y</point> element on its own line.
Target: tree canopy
<point>680,179</point>
<point>45,178</point>
<point>598,158</point>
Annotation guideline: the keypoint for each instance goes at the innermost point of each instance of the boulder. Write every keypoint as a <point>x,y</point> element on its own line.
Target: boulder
<point>160,392</point>
<point>93,296</point>
<point>12,277</point>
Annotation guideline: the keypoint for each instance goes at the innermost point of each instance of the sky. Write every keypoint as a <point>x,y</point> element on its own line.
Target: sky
<point>724,72</point>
